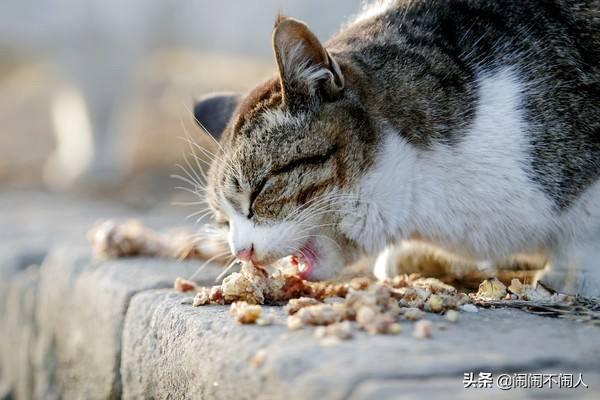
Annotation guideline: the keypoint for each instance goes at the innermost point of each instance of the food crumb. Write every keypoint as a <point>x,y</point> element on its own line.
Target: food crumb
<point>294,323</point>
<point>183,285</point>
<point>245,313</point>
<point>413,314</point>
<point>491,289</point>
<point>258,359</point>
<point>522,291</point>
<point>202,297</point>
<point>435,303</point>
<point>422,329</point>
<point>294,305</point>
<point>451,316</point>
<point>337,331</point>
<point>319,314</point>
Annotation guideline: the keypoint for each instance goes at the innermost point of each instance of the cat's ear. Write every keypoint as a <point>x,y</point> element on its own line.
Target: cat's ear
<point>213,111</point>
<point>305,66</point>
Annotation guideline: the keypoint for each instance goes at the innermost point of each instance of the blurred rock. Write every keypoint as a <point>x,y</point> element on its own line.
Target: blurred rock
<point>157,115</point>
<point>80,311</point>
<point>26,140</point>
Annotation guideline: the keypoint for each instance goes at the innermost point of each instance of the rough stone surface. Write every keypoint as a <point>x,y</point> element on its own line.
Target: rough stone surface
<point>173,350</point>
<point>18,332</point>
<point>61,316</point>
<point>80,310</point>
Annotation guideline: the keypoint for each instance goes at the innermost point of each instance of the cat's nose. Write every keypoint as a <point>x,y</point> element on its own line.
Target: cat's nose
<point>245,254</point>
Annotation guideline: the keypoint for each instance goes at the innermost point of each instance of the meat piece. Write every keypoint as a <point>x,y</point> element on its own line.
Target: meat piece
<point>245,313</point>
<point>183,285</point>
<point>491,289</point>
<point>294,305</point>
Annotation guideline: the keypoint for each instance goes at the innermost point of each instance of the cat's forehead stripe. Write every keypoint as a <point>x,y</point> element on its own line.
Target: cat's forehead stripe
<point>264,97</point>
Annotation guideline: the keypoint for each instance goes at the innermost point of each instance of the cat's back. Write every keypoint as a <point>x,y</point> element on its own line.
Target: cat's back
<point>549,49</point>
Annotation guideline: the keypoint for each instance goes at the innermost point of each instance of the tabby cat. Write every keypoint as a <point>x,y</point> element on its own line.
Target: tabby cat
<point>470,124</point>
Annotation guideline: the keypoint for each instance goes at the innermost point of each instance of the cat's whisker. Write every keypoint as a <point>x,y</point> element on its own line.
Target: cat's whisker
<point>194,181</point>
<point>195,213</point>
<point>206,131</point>
<point>187,180</point>
<point>198,166</point>
<point>321,237</point>
<point>210,155</point>
<point>295,251</point>
<point>204,264</point>
<point>313,203</point>
<point>192,191</point>
<point>188,203</point>
<point>223,274</point>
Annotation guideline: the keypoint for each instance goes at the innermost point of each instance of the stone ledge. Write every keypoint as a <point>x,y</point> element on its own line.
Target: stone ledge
<point>74,328</point>
<point>201,353</point>
<point>71,317</point>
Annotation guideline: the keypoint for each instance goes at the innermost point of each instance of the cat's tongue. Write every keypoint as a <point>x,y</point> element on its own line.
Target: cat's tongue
<point>305,262</point>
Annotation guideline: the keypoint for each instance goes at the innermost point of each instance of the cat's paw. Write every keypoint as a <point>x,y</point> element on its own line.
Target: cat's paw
<point>571,282</point>
<point>385,265</point>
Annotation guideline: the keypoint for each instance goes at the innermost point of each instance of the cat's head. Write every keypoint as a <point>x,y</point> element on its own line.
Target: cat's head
<point>291,152</point>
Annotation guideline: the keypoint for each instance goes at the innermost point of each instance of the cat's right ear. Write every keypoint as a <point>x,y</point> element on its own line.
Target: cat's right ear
<point>213,111</point>
<point>305,66</point>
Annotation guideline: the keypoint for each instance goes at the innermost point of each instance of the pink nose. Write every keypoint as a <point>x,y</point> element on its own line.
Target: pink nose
<point>245,254</point>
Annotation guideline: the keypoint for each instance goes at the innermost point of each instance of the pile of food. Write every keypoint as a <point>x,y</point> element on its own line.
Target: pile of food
<point>336,310</point>
<point>493,289</point>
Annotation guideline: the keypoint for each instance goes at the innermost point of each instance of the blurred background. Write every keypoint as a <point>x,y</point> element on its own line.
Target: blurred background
<point>95,95</point>
<point>95,98</point>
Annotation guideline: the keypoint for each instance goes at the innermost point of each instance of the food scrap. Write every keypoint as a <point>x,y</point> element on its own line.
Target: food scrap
<point>258,359</point>
<point>422,329</point>
<point>452,316</point>
<point>528,292</point>
<point>245,313</point>
<point>183,285</point>
<point>491,289</point>
<point>335,309</point>
<point>111,239</point>
<point>334,333</point>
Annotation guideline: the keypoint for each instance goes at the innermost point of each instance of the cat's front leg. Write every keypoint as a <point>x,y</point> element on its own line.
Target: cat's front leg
<point>574,269</point>
<point>399,259</point>
<point>385,265</point>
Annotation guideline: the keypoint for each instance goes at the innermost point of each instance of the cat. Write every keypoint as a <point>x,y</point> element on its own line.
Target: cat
<point>473,125</point>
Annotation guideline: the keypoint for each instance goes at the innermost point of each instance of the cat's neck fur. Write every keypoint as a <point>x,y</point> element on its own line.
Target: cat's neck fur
<point>438,193</point>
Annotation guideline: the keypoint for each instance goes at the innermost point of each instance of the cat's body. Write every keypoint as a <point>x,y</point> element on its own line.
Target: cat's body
<point>473,125</point>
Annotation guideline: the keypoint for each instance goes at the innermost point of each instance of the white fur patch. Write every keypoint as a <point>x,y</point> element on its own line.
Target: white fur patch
<point>269,241</point>
<point>373,9</point>
<point>473,197</point>
<point>385,195</point>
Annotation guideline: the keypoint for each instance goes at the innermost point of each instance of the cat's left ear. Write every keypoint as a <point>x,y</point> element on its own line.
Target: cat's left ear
<point>305,66</point>
<point>213,111</point>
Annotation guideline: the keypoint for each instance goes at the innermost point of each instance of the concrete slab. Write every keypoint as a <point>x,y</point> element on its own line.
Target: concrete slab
<point>174,350</point>
<point>80,311</point>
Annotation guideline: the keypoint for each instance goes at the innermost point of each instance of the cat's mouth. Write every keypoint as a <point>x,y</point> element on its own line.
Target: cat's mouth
<point>306,261</point>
